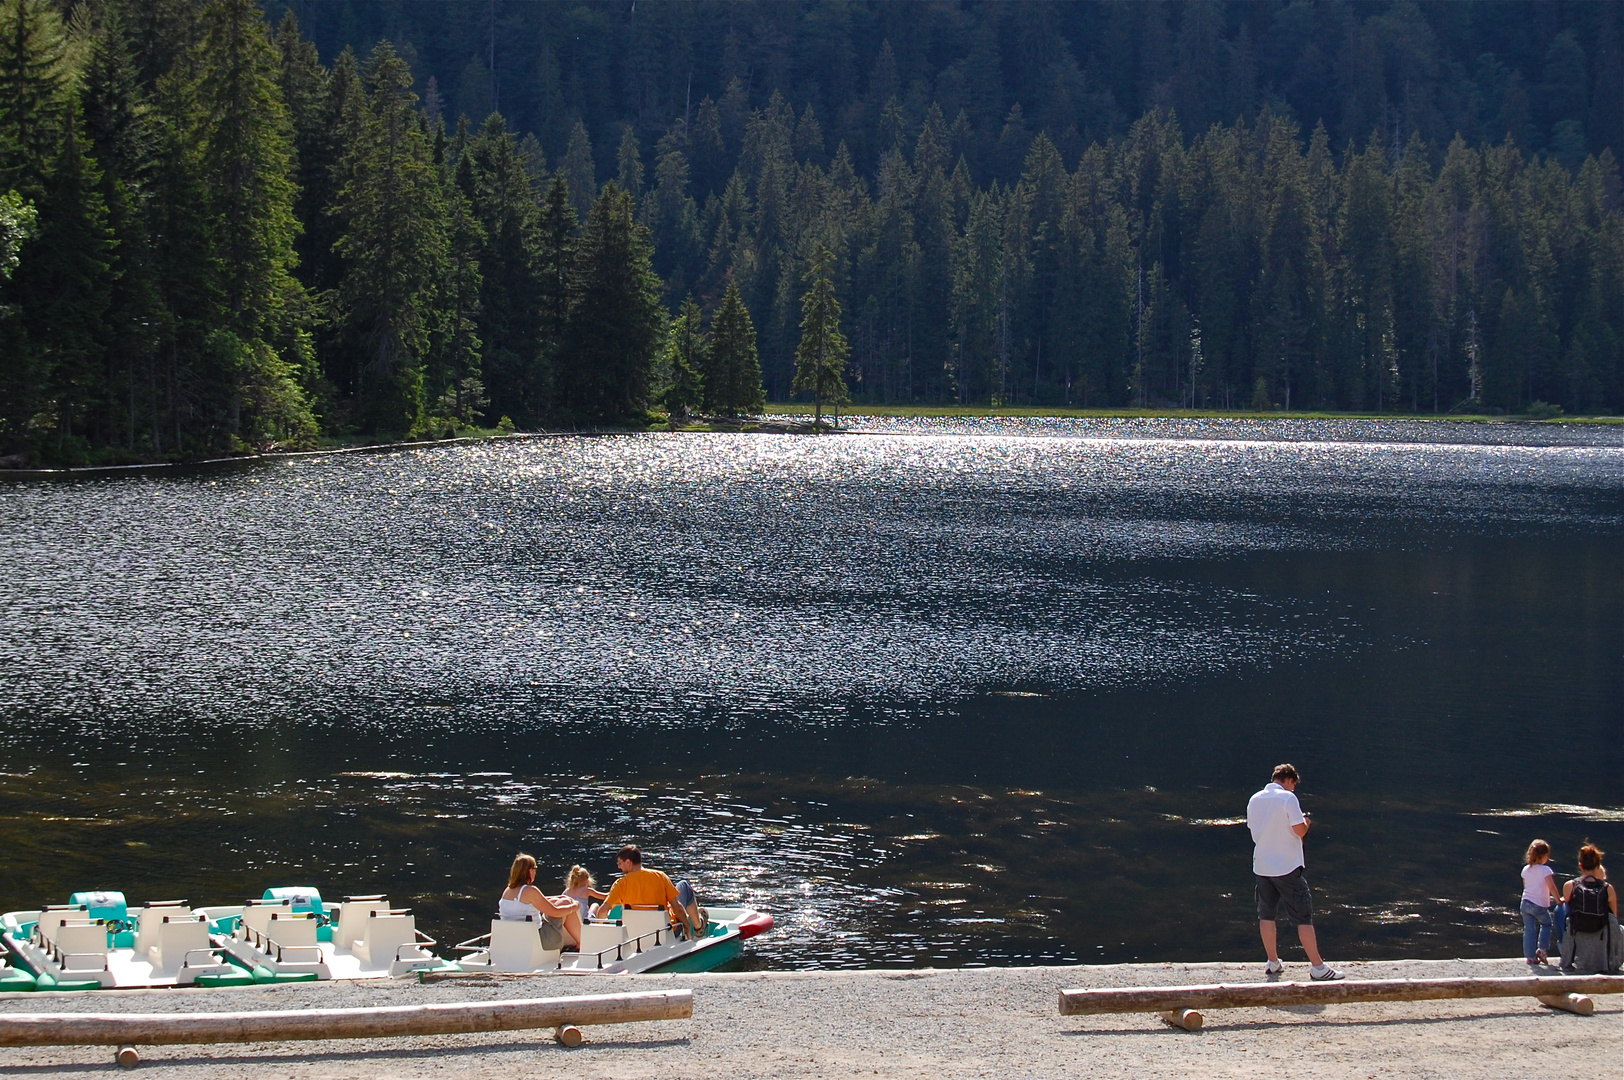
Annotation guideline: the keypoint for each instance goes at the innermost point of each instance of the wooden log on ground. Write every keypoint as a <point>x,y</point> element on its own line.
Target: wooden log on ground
<point>1573,1003</point>
<point>1254,995</point>
<point>155,1029</point>
<point>1188,1019</point>
<point>569,1035</point>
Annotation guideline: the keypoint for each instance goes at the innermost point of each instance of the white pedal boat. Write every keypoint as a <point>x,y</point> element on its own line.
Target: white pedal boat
<point>97,941</point>
<point>636,942</point>
<point>291,935</point>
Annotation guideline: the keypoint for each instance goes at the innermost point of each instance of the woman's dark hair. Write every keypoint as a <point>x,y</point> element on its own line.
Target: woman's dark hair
<point>1590,857</point>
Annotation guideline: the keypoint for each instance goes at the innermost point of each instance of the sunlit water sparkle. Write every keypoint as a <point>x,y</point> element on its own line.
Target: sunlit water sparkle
<point>820,674</point>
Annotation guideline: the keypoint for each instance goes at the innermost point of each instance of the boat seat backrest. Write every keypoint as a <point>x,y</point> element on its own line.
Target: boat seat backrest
<point>257,916</point>
<point>174,936</point>
<point>382,937</point>
<point>516,946</point>
<point>352,917</point>
<point>598,936</point>
<point>149,919</point>
<point>292,930</point>
<point>82,937</point>
<point>638,923</point>
<point>52,917</point>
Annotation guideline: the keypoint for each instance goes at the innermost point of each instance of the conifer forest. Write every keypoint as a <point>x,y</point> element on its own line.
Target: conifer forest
<point>228,225</point>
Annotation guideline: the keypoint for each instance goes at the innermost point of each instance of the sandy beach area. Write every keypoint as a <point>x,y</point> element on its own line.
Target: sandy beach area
<point>980,1022</point>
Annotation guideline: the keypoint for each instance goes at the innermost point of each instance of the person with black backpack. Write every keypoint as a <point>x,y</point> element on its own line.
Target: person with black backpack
<point>1592,945</point>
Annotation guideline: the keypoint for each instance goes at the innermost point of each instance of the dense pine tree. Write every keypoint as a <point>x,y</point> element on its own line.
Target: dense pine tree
<point>615,324</point>
<point>732,373</point>
<point>687,356</point>
<point>820,358</point>
<point>394,246</point>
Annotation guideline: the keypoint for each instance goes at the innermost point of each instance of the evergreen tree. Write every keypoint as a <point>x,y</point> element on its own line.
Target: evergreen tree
<point>315,102</point>
<point>579,172</point>
<point>247,150</point>
<point>122,140</point>
<point>456,359</point>
<point>555,260</point>
<point>820,358</point>
<point>394,245</point>
<point>686,356</point>
<point>510,315</point>
<point>615,324</point>
<point>36,79</point>
<point>65,284</point>
<point>733,375</point>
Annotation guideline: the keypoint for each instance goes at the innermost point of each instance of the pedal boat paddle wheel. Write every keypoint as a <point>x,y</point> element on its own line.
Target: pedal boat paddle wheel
<point>291,935</point>
<point>629,941</point>
<point>97,941</point>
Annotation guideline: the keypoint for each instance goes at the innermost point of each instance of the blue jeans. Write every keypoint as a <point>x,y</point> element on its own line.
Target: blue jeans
<point>1536,929</point>
<point>1559,923</point>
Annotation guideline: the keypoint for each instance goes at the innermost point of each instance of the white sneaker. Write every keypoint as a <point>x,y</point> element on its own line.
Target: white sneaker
<point>1273,967</point>
<point>1327,973</point>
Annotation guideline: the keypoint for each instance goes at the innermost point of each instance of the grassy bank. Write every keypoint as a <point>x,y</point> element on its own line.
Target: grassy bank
<point>802,409</point>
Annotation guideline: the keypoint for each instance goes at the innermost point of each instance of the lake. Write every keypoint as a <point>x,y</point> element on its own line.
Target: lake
<point>942,692</point>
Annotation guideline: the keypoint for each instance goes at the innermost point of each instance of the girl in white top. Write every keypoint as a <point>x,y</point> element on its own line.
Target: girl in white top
<point>579,887</point>
<point>521,899</point>
<point>1539,893</point>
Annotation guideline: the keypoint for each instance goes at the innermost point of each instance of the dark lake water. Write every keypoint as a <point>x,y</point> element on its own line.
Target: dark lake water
<point>946,692</point>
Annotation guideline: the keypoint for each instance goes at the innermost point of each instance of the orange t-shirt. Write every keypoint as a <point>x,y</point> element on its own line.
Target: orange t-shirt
<point>641,888</point>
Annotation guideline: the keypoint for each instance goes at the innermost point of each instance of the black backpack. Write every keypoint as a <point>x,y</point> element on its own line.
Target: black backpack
<point>1587,907</point>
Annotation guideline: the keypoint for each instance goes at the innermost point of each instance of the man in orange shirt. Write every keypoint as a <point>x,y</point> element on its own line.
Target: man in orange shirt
<point>641,888</point>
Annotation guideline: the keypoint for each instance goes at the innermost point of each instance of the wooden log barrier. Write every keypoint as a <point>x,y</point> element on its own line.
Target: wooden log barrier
<point>1188,1019</point>
<point>154,1029</point>
<point>1573,1003</point>
<point>1161,999</point>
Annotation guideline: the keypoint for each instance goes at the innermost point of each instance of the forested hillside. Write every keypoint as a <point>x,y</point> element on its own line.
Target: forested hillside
<point>234,225</point>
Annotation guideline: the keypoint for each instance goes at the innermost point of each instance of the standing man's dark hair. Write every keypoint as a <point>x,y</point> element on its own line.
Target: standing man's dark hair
<point>1278,826</point>
<point>631,854</point>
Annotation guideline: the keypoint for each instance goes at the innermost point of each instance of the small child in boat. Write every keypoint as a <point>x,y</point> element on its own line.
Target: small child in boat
<point>579,887</point>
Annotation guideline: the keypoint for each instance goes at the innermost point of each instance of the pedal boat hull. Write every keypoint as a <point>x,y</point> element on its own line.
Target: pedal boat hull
<point>657,949</point>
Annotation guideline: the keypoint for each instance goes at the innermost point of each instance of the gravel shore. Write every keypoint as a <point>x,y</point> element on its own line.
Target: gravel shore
<point>992,1022</point>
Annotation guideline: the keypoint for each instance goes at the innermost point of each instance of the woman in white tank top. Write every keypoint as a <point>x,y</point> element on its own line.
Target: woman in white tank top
<point>522,900</point>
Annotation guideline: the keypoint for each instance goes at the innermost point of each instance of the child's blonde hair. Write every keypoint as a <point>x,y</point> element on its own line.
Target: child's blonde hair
<point>579,875</point>
<point>1538,852</point>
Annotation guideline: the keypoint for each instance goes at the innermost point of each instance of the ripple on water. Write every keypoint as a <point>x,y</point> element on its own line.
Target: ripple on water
<point>201,652</point>
<point>727,569</point>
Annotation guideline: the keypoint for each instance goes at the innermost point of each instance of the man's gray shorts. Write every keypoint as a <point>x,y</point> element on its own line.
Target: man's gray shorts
<point>1288,894</point>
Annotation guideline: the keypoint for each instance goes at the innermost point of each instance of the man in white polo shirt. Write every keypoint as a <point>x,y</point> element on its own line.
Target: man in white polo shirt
<point>1278,827</point>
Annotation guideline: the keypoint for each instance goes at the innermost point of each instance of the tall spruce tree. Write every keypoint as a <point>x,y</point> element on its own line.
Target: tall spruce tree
<point>615,324</point>
<point>122,139</point>
<point>67,288</point>
<point>510,316</point>
<point>555,260</point>
<point>456,359</point>
<point>686,358</point>
<point>733,373</point>
<point>248,157</point>
<point>820,358</point>
<point>579,172</point>
<point>394,245</point>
